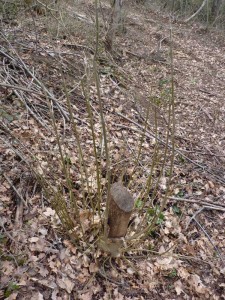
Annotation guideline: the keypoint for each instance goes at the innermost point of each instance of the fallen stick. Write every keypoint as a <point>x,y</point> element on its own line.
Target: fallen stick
<point>200,202</point>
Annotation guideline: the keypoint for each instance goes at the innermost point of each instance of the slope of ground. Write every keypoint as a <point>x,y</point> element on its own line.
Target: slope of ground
<point>186,257</point>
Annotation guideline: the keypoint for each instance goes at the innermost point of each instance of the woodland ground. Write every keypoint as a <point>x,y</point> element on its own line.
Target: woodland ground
<point>37,259</point>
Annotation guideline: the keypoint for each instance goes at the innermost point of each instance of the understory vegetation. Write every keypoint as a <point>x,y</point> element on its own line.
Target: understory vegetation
<point>95,96</point>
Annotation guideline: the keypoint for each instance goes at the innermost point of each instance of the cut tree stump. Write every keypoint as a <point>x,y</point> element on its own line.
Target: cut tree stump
<point>120,208</point>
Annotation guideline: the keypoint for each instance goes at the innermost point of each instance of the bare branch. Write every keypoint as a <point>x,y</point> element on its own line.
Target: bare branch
<point>198,11</point>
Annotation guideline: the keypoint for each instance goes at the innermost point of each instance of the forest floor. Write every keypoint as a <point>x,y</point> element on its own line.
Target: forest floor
<point>37,259</point>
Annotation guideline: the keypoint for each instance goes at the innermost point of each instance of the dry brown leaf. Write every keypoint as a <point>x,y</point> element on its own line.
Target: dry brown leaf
<point>183,273</point>
<point>34,239</point>
<point>37,296</point>
<point>49,212</point>
<point>7,267</point>
<point>93,268</point>
<point>196,282</point>
<point>178,287</point>
<point>43,271</point>
<point>65,283</point>
<point>117,295</point>
<point>86,296</point>
<point>54,294</point>
<point>130,271</point>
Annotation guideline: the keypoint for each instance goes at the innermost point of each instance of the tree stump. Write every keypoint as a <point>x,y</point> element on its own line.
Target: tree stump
<point>120,208</point>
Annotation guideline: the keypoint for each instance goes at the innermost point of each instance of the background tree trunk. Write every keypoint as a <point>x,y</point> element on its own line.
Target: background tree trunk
<point>115,22</point>
<point>216,8</point>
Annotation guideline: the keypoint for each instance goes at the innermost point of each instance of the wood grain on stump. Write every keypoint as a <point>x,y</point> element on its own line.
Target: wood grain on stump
<point>120,208</point>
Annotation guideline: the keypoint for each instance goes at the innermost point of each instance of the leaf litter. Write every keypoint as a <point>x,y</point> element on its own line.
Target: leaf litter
<point>179,259</point>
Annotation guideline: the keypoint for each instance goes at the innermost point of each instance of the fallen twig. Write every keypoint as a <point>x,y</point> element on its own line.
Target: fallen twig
<point>15,189</point>
<point>200,202</point>
<point>17,87</point>
<point>6,232</point>
<point>19,213</point>
<point>210,240</point>
<point>21,64</point>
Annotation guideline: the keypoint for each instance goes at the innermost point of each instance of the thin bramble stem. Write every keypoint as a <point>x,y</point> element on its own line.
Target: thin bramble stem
<point>90,114</point>
<point>108,172</point>
<point>58,198</point>
<point>104,131</point>
<point>82,164</point>
<point>169,136</point>
<point>171,120</point>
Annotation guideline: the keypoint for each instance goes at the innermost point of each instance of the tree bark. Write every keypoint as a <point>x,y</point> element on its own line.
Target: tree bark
<point>216,8</point>
<point>120,209</point>
<point>115,23</point>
